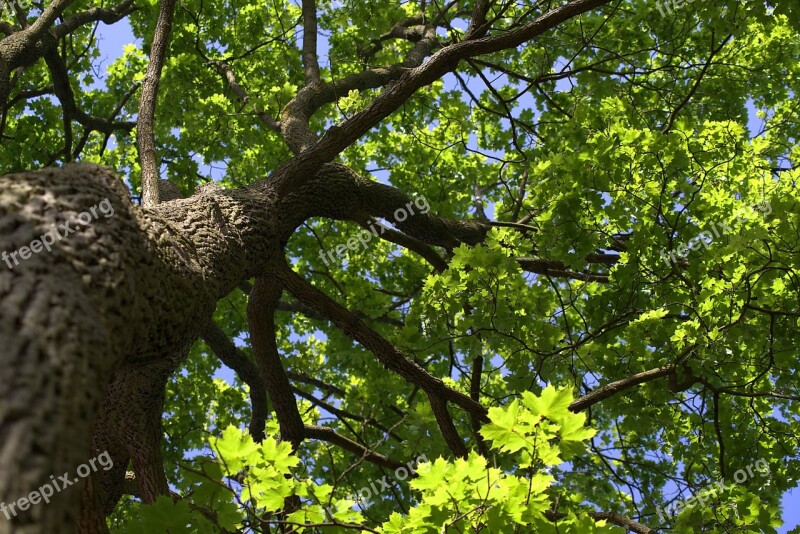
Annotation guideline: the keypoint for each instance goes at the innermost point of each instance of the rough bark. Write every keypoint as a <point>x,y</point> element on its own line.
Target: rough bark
<point>68,317</point>
<point>117,302</point>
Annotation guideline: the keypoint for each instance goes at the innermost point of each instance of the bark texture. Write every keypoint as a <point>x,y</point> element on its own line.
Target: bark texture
<point>108,313</point>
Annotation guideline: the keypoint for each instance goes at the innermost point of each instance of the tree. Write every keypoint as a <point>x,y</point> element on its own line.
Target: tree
<point>552,223</point>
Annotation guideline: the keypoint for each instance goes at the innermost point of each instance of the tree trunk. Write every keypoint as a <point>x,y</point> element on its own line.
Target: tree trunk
<point>113,302</point>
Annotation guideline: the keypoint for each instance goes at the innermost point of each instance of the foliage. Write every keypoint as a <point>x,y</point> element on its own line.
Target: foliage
<point>245,482</point>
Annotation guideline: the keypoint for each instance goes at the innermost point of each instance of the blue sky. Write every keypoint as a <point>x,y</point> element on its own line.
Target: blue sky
<point>112,40</point>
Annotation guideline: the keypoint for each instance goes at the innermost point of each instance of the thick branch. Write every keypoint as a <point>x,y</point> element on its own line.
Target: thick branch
<point>310,61</point>
<point>297,113</point>
<point>344,195</point>
<point>145,138</point>
<point>95,14</point>
<point>475,394</point>
<point>24,47</point>
<point>477,24</point>
<point>446,425</point>
<point>261,308</point>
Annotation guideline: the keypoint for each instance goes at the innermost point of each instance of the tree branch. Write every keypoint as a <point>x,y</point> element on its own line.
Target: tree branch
<point>297,113</point>
<point>410,243</point>
<point>261,308</point>
<point>247,371</point>
<point>545,267</point>
<point>344,414</point>
<point>226,72</point>
<point>446,425</point>
<point>611,517</point>
<point>337,138</point>
<point>63,91</point>
<point>328,434</point>
<point>477,23</point>
<point>24,47</point>
<point>310,61</point>
<point>146,142</point>
<point>672,116</point>
<point>95,14</point>
<point>609,390</point>
<point>317,383</point>
<point>293,306</point>
<point>386,353</point>
<point>621,520</point>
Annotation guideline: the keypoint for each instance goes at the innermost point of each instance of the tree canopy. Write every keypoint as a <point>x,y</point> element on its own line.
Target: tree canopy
<point>549,281</point>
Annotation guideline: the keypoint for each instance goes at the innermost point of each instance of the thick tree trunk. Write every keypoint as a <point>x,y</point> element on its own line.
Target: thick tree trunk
<point>118,297</point>
<point>63,330</point>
